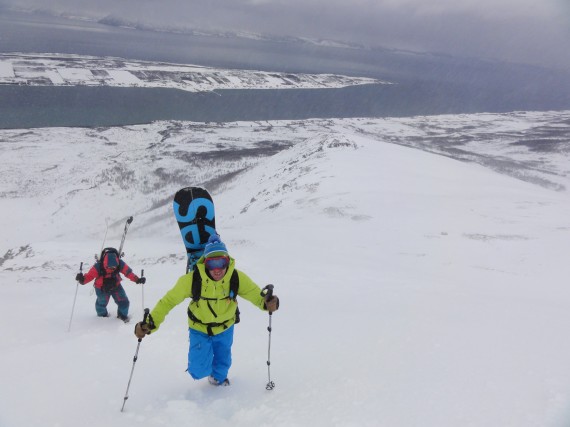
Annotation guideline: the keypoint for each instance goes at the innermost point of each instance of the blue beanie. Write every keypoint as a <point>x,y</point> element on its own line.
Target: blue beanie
<point>215,247</point>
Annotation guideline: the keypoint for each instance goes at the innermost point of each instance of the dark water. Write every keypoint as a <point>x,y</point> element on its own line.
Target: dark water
<point>33,106</point>
<point>425,84</point>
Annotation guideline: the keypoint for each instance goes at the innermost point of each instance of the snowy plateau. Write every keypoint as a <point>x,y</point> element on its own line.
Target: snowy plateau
<point>78,70</point>
<point>421,263</point>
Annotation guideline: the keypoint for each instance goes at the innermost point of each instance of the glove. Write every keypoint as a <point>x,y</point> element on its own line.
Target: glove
<point>272,304</point>
<point>80,278</point>
<point>141,281</point>
<point>141,330</point>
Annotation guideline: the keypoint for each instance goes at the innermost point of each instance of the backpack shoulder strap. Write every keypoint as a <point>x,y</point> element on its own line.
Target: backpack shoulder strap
<point>234,285</point>
<point>196,285</point>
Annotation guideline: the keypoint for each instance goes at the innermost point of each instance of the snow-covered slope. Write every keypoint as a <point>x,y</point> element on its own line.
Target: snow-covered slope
<point>416,289</point>
<point>81,176</point>
<point>75,70</point>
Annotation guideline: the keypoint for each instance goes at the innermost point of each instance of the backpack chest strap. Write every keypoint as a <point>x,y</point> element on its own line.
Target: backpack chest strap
<point>210,325</point>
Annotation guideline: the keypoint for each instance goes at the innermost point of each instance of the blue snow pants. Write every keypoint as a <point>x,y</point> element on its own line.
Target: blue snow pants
<point>119,296</point>
<point>210,355</point>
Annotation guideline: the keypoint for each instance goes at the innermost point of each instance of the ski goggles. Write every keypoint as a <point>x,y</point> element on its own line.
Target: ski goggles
<point>216,262</point>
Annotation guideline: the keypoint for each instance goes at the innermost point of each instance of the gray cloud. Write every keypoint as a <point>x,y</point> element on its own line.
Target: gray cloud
<point>512,30</point>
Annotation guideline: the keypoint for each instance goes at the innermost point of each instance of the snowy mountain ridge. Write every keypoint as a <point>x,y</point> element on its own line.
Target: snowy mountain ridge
<point>136,169</point>
<point>293,176</point>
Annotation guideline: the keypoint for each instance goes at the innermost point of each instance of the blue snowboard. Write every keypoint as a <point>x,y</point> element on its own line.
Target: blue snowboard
<point>194,212</point>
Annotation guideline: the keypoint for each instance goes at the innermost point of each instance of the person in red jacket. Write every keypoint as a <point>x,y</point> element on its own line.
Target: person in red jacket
<point>107,274</point>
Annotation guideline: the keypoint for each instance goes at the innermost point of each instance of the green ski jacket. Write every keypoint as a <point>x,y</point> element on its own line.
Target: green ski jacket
<point>215,311</point>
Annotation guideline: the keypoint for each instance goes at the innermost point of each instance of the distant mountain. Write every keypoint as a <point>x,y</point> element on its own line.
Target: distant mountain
<point>76,70</point>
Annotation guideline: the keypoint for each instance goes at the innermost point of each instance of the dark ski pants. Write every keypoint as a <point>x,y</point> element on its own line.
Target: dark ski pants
<point>119,296</point>
<point>210,355</point>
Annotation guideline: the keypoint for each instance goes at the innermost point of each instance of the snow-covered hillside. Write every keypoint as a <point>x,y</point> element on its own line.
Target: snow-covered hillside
<point>76,70</point>
<point>82,176</point>
<point>416,289</point>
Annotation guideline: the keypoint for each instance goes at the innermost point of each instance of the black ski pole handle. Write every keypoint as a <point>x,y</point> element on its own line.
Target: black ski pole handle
<point>81,267</point>
<point>129,220</point>
<point>148,316</point>
<point>267,292</point>
<point>142,274</point>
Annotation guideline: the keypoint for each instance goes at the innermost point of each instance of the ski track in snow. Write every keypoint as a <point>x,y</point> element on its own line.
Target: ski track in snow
<point>418,286</point>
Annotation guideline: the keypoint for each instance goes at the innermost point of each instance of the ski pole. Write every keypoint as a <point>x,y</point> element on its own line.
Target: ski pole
<point>129,220</point>
<point>74,298</point>
<point>146,314</point>
<point>267,292</point>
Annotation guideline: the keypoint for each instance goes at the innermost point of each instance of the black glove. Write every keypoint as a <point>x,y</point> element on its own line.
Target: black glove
<point>272,303</point>
<point>80,278</point>
<point>141,330</point>
<point>141,280</point>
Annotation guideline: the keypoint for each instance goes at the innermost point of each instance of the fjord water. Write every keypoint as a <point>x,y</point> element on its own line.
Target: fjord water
<point>423,83</point>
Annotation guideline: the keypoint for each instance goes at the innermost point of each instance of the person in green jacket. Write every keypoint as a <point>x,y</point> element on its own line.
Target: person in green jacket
<point>212,312</point>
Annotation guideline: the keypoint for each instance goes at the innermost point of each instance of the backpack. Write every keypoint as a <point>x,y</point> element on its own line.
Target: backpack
<point>197,285</point>
<point>197,295</point>
<point>110,282</point>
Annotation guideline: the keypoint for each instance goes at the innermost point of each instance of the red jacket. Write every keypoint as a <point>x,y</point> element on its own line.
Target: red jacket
<point>95,273</point>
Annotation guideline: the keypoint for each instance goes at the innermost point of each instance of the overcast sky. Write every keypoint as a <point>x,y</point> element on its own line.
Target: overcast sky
<point>531,31</point>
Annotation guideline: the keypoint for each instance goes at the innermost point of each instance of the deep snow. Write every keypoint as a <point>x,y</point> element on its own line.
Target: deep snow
<point>416,289</point>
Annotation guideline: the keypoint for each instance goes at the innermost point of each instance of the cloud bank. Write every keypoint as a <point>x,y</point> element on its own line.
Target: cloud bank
<point>511,30</point>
